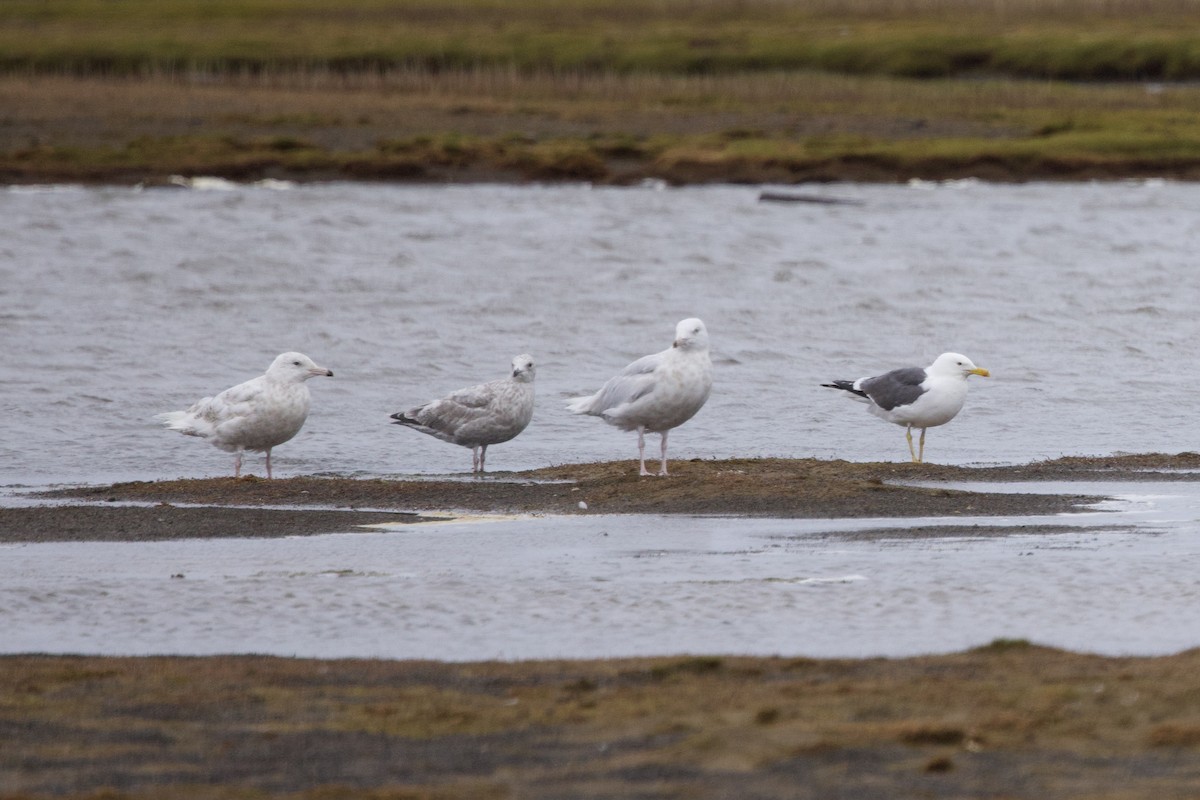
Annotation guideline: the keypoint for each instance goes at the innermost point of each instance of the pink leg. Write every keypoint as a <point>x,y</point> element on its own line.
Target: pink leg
<point>482,457</point>
<point>475,461</point>
<point>642,449</point>
<point>268,462</point>
<point>237,464</point>
<point>663,468</point>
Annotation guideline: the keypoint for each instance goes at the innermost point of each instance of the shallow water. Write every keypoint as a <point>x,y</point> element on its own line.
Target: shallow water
<point>116,304</point>
<point>1117,581</point>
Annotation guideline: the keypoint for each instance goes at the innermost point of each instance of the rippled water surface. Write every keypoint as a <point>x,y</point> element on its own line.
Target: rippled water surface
<point>117,304</point>
<point>1081,299</point>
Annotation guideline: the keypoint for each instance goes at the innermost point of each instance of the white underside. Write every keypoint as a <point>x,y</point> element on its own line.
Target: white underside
<point>940,404</point>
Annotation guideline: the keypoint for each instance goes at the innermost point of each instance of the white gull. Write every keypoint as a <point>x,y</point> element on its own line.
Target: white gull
<point>256,415</point>
<point>657,392</point>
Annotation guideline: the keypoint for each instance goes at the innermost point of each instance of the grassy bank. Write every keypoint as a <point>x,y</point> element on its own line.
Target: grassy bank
<point>1068,39</point>
<point>598,90</point>
<point>502,125</point>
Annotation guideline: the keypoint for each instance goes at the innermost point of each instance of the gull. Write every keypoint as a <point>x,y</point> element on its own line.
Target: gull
<point>916,397</point>
<point>657,392</point>
<point>478,416</point>
<point>261,413</point>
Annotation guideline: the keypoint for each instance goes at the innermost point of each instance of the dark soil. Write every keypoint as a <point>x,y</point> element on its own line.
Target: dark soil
<point>1006,721</point>
<point>166,521</point>
<point>215,507</point>
<point>769,487</point>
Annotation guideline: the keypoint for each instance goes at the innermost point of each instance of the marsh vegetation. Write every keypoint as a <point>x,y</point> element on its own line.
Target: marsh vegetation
<point>741,90</point>
<point>1068,39</point>
<point>1009,719</point>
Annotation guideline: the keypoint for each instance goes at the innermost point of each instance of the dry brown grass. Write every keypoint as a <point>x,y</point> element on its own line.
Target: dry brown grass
<point>1012,720</point>
<point>411,124</point>
<point>1032,10</point>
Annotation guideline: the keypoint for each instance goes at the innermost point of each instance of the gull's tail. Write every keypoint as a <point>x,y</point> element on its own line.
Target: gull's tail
<point>582,405</point>
<point>185,422</point>
<point>412,419</point>
<point>850,388</point>
<point>402,418</point>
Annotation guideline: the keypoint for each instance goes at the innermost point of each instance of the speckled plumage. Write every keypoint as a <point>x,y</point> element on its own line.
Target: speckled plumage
<point>657,392</point>
<point>478,416</point>
<point>257,415</point>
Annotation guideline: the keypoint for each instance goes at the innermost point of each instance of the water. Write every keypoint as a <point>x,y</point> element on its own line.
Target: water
<point>1120,581</point>
<point>116,304</point>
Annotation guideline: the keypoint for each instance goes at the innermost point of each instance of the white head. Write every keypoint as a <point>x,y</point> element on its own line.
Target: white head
<point>295,368</point>
<point>956,365</point>
<point>690,334</point>
<point>522,368</point>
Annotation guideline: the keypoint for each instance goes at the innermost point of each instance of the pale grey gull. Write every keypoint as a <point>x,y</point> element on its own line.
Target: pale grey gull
<point>657,392</point>
<point>261,413</point>
<point>916,397</point>
<point>478,416</point>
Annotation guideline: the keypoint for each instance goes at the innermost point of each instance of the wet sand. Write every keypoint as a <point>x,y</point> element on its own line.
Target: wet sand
<point>800,488</point>
<point>1008,720</point>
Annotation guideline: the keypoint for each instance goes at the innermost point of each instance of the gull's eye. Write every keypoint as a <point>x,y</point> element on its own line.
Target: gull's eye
<point>295,363</point>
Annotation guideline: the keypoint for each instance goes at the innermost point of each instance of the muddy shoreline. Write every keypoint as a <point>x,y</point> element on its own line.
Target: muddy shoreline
<point>1010,719</point>
<point>788,488</point>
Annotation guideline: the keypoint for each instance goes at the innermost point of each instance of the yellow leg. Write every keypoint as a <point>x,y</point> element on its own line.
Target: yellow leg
<point>921,452</point>
<point>911,451</point>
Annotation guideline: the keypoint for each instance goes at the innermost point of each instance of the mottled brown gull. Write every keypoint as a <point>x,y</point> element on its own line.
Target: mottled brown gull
<point>916,397</point>
<point>478,416</point>
<point>261,413</point>
<point>657,392</point>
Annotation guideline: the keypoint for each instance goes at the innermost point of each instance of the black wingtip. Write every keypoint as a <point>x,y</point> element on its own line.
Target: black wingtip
<point>402,419</point>
<point>845,386</point>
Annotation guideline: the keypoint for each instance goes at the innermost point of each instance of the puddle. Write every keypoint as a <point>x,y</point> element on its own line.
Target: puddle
<point>1117,581</point>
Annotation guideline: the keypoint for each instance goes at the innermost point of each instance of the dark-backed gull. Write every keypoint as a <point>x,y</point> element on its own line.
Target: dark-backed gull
<point>916,397</point>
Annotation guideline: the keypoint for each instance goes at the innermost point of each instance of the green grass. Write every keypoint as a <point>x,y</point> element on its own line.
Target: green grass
<point>1071,39</point>
<point>500,124</point>
<point>603,90</point>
